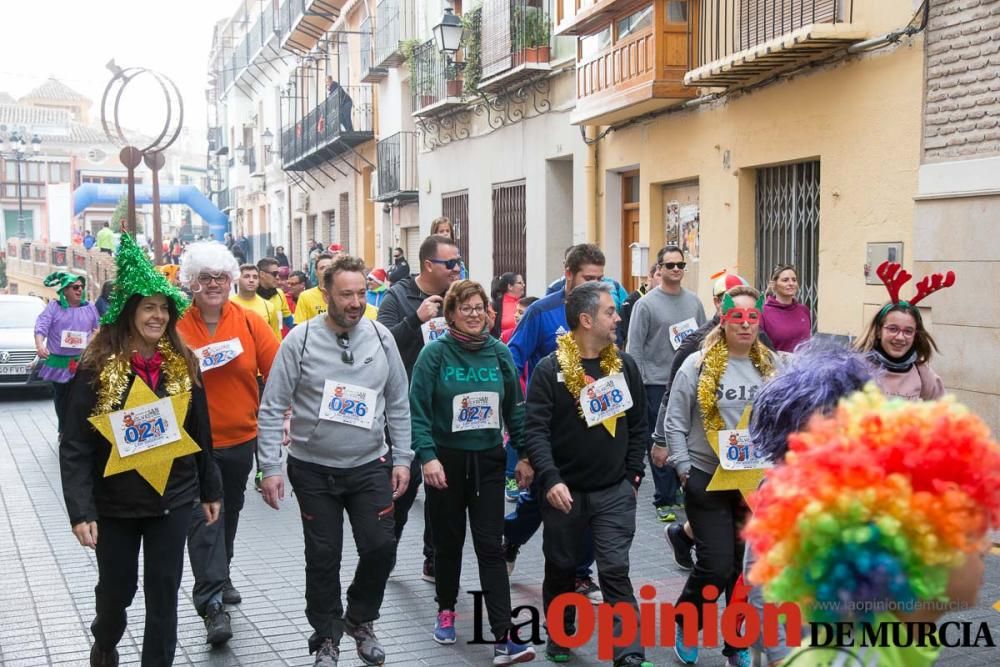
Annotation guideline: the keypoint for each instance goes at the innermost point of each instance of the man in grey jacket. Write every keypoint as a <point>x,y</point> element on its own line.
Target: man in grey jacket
<point>344,380</point>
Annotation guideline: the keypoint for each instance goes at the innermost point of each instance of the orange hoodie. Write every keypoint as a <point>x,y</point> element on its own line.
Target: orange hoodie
<point>233,394</point>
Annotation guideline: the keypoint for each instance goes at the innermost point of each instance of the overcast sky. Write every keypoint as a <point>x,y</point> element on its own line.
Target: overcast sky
<point>73,39</point>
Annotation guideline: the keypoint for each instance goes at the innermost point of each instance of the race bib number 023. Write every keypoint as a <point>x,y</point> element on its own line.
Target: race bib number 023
<point>605,398</point>
<point>145,427</point>
<point>475,411</point>
<point>348,404</point>
<point>217,355</point>
<point>736,452</point>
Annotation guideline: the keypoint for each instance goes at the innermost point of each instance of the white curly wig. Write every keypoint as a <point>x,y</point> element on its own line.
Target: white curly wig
<point>207,257</point>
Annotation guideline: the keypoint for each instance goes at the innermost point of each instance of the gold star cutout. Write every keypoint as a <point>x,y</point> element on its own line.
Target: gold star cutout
<point>744,481</point>
<point>153,464</point>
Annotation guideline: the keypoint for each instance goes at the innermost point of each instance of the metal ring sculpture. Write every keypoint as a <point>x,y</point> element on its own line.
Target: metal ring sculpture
<point>171,93</point>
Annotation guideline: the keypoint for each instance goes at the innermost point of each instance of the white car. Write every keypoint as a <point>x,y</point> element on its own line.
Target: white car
<point>19,363</point>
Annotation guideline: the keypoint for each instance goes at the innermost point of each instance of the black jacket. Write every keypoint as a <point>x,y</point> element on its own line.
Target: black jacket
<point>561,446</point>
<point>83,454</point>
<point>400,271</point>
<point>398,313</point>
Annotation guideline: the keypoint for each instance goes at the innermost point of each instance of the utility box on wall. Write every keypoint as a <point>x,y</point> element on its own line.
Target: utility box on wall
<point>878,253</point>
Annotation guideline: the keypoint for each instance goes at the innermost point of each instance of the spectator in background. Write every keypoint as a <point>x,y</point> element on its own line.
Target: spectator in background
<point>443,226</point>
<point>102,301</point>
<point>88,240</point>
<point>507,291</point>
<point>651,279</point>
<point>106,239</point>
<point>175,251</point>
<point>344,103</point>
<point>378,285</point>
<point>279,254</point>
<point>786,319</point>
<point>400,268</point>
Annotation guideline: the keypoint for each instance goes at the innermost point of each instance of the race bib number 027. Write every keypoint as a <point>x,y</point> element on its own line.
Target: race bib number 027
<point>433,329</point>
<point>475,411</point>
<point>736,452</point>
<point>348,404</point>
<point>605,398</point>
<point>146,427</point>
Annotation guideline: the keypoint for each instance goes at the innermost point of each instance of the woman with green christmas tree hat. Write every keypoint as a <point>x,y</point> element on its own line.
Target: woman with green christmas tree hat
<point>135,456</point>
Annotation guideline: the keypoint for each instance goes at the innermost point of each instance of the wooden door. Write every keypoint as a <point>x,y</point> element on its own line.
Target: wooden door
<point>630,228</point>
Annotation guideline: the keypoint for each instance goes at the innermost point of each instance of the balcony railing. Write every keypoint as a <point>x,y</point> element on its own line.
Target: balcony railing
<point>338,123</point>
<point>369,72</point>
<point>726,27</point>
<point>516,40</point>
<point>397,166</point>
<point>434,86</point>
<point>395,22</point>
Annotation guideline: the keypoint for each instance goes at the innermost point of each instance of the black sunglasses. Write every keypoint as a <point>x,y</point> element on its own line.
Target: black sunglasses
<point>672,265</point>
<point>346,356</point>
<point>449,264</point>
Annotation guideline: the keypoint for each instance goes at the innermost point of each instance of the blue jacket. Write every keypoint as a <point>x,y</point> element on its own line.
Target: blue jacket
<point>535,336</point>
<point>618,292</point>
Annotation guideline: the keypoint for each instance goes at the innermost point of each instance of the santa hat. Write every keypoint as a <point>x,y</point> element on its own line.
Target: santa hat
<point>726,281</point>
<point>335,247</point>
<point>379,276</point>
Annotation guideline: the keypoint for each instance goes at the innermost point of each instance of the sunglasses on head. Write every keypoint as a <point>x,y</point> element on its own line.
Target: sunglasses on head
<point>346,355</point>
<point>673,265</point>
<point>449,264</point>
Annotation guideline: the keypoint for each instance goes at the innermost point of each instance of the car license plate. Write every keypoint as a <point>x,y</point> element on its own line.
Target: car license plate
<point>14,370</point>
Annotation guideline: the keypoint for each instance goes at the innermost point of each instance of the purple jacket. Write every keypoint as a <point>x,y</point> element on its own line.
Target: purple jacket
<point>786,325</point>
<point>53,321</point>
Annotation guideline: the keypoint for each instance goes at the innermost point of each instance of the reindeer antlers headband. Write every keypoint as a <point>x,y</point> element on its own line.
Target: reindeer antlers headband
<point>894,277</point>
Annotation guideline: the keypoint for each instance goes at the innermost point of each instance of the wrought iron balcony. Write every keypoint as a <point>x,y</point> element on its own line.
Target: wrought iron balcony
<point>395,23</point>
<point>334,126</point>
<point>397,167</point>
<point>434,86</point>
<point>369,73</point>
<point>516,42</point>
<point>739,41</point>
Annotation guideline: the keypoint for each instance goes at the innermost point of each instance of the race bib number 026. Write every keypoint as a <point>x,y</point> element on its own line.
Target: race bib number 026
<point>605,398</point>
<point>146,427</point>
<point>217,355</point>
<point>475,411</point>
<point>348,404</point>
<point>736,452</point>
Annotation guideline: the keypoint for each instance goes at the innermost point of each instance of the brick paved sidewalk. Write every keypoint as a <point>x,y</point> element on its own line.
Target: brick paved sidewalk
<point>47,600</point>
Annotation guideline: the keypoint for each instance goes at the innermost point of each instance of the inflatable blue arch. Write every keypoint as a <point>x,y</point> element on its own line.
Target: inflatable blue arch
<point>89,194</point>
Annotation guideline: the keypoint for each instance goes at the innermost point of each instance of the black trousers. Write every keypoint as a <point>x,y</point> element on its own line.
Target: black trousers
<point>610,515</point>
<point>60,396</point>
<point>118,543</point>
<point>403,505</point>
<point>475,487</point>
<point>716,517</point>
<point>210,548</point>
<point>324,494</point>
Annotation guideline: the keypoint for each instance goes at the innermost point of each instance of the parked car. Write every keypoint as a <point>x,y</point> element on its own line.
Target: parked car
<point>19,363</point>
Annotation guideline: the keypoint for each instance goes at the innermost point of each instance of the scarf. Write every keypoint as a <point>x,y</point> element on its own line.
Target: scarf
<point>267,293</point>
<point>148,369</point>
<point>469,342</point>
<point>892,364</point>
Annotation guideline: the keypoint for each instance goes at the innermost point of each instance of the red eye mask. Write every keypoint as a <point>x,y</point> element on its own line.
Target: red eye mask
<point>741,315</point>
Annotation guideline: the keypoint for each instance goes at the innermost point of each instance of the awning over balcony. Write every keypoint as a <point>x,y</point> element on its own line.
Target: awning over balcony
<point>309,20</point>
<point>798,47</point>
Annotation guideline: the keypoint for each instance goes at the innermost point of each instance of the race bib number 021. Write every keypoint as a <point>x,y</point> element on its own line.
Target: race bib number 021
<point>217,355</point>
<point>605,398</point>
<point>348,404</point>
<point>736,452</point>
<point>433,329</point>
<point>475,411</point>
<point>145,427</point>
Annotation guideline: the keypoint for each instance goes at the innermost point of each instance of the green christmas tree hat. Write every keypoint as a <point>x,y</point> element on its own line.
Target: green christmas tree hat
<point>137,275</point>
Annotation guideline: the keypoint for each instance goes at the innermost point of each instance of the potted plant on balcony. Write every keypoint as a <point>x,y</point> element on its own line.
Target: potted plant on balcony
<point>537,33</point>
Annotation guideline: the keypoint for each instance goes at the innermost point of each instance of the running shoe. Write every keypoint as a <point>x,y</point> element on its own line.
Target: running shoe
<point>741,658</point>
<point>633,660</point>
<point>218,629</point>
<point>428,572</point>
<point>556,653</point>
<point>229,593</point>
<point>686,654</point>
<point>327,655</point>
<point>510,555</point>
<point>509,652</point>
<point>444,627</point>
<point>511,491</point>
<point>666,513</point>
<point>586,586</point>
<point>681,545</point>
<point>369,648</point>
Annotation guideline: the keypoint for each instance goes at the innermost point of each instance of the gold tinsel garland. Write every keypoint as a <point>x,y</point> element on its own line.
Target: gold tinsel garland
<point>113,380</point>
<point>713,367</point>
<point>574,377</point>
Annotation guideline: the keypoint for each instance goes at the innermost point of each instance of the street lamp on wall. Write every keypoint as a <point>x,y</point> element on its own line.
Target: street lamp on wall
<point>267,141</point>
<point>448,36</point>
<point>241,154</point>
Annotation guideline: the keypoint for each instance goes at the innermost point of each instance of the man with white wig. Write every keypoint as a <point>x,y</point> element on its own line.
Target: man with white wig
<point>233,346</point>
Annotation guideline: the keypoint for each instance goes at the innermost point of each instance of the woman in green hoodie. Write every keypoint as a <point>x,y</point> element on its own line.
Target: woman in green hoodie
<point>464,390</point>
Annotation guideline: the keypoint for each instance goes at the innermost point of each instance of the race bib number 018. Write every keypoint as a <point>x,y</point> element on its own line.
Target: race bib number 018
<point>73,340</point>
<point>217,355</point>
<point>475,411</point>
<point>146,427</point>
<point>605,398</point>
<point>736,452</point>
<point>348,404</point>
<point>433,329</point>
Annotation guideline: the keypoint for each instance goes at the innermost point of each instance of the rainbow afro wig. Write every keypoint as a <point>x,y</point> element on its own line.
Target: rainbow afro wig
<point>874,506</point>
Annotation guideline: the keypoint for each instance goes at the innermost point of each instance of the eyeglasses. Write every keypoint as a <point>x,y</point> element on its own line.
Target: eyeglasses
<point>346,355</point>
<point>672,265</point>
<point>469,310</point>
<point>450,264</point>
<point>209,278</point>
<point>894,331</point>
<point>273,274</point>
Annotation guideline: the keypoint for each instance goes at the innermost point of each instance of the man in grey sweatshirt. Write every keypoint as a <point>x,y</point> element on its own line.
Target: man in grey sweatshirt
<point>344,380</point>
